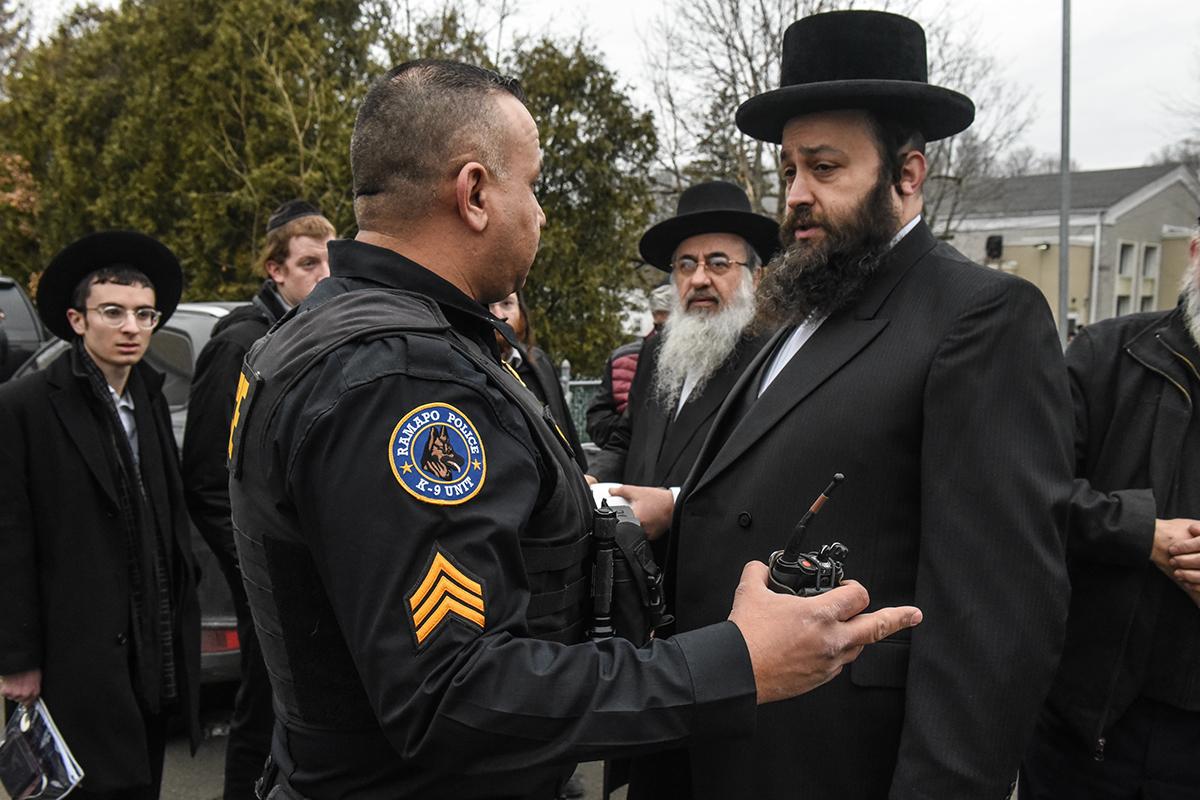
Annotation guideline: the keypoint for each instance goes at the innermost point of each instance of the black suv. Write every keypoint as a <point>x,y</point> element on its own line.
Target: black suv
<point>21,332</point>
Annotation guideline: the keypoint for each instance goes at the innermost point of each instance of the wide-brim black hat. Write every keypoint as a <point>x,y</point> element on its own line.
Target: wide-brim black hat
<point>97,251</point>
<point>869,60</point>
<point>709,207</point>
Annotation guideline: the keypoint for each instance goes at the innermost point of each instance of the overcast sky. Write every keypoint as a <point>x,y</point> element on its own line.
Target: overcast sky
<point>1132,62</point>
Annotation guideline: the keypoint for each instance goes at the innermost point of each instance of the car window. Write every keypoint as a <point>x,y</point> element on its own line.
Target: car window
<point>19,322</point>
<point>171,354</point>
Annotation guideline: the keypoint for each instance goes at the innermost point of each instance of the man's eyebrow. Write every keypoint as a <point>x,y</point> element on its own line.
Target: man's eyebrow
<point>820,150</point>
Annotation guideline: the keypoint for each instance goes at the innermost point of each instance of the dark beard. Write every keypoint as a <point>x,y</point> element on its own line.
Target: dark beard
<point>806,280</point>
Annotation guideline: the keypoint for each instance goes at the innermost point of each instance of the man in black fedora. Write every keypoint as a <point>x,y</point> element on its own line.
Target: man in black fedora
<point>100,613</point>
<point>294,259</point>
<point>938,388</point>
<point>713,249</point>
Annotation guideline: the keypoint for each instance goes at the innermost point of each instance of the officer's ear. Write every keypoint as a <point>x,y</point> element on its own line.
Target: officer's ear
<point>468,194</point>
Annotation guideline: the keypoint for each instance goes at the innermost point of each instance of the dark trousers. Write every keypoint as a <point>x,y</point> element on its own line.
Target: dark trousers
<point>1151,753</point>
<point>660,776</point>
<point>253,716</point>
<point>156,746</point>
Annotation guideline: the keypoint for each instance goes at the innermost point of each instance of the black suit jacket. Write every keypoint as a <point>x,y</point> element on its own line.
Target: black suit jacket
<point>647,447</point>
<point>65,589</point>
<point>206,437</point>
<point>941,394</point>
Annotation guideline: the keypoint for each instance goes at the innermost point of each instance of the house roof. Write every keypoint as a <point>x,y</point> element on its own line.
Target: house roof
<point>1031,194</point>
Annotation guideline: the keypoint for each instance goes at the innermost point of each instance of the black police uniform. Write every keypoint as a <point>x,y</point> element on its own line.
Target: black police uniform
<point>412,534</point>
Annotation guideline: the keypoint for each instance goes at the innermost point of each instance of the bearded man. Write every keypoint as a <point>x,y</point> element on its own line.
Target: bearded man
<point>938,388</point>
<point>1123,716</point>
<point>713,248</point>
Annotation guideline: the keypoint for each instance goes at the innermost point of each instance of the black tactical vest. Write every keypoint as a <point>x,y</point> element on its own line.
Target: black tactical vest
<point>302,644</point>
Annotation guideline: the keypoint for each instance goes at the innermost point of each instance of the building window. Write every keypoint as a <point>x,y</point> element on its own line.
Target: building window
<point>1150,262</point>
<point>1123,303</point>
<point>1148,280</point>
<point>1125,262</point>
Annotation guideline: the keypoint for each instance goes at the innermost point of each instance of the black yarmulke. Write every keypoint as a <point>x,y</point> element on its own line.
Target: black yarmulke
<point>292,209</point>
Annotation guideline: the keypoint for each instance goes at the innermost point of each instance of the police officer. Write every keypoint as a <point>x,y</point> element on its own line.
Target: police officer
<point>412,532</point>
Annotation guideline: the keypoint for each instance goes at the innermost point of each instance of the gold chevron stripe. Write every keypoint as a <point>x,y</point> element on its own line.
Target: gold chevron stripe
<point>445,587</point>
<point>445,590</point>
<point>448,606</point>
<point>442,566</point>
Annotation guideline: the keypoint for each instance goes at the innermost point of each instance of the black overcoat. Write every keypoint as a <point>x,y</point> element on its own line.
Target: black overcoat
<point>942,396</point>
<point>649,448</point>
<point>65,587</point>
<point>538,373</point>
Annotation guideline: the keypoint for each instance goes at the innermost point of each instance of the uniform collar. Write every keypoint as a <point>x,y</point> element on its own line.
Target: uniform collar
<point>387,268</point>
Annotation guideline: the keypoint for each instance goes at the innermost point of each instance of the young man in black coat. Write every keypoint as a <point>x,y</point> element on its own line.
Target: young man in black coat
<point>100,613</point>
<point>294,259</point>
<point>1123,716</point>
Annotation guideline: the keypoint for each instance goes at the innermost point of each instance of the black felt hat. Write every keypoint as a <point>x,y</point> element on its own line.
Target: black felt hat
<point>856,59</point>
<point>97,251</point>
<point>710,207</point>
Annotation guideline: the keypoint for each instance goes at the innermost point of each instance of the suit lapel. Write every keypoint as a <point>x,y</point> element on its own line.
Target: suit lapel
<point>654,419</point>
<point>75,414</point>
<point>695,413</point>
<point>747,381</point>
<point>839,339</point>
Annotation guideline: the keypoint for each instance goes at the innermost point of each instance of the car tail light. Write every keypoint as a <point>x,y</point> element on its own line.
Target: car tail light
<point>218,640</point>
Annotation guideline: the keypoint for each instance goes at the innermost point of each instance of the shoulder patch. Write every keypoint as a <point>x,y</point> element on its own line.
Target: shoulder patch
<point>437,455</point>
<point>445,592</point>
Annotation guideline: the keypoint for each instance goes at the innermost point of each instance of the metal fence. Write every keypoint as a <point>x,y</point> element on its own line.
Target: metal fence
<point>579,394</point>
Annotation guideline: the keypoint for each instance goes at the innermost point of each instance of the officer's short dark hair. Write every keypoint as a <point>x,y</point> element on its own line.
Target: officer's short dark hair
<point>412,120</point>
<point>121,274</point>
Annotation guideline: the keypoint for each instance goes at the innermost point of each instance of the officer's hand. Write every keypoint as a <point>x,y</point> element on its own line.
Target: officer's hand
<point>798,643</point>
<point>591,480</point>
<point>22,687</point>
<point>653,506</point>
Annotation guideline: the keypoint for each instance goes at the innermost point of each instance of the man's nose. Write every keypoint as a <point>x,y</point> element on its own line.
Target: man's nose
<point>130,325</point>
<point>799,193</point>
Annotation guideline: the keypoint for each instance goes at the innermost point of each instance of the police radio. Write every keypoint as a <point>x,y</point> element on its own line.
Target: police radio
<point>808,574</point>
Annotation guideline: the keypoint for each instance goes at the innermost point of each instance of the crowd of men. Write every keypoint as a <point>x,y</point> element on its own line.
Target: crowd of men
<point>428,625</point>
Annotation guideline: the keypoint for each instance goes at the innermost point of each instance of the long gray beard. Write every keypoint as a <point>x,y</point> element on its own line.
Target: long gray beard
<point>698,344</point>
<point>1191,306</point>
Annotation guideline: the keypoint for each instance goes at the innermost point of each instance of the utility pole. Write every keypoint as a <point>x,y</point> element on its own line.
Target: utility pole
<point>1064,210</point>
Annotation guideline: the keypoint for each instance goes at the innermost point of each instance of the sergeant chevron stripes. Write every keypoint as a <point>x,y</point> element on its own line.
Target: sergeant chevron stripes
<point>444,593</point>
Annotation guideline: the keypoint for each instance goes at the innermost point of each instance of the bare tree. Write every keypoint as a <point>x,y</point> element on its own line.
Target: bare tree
<point>1186,111</point>
<point>707,56</point>
<point>14,38</point>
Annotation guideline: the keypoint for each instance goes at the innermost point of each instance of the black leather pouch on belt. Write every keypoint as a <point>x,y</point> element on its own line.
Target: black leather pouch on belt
<point>637,596</point>
<point>272,785</point>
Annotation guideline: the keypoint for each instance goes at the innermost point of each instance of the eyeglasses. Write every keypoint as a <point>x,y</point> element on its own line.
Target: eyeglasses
<point>716,264</point>
<point>114,315</point>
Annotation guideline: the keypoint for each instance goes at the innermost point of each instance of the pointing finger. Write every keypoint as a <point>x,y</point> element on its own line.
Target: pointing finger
<point>878,625</point>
